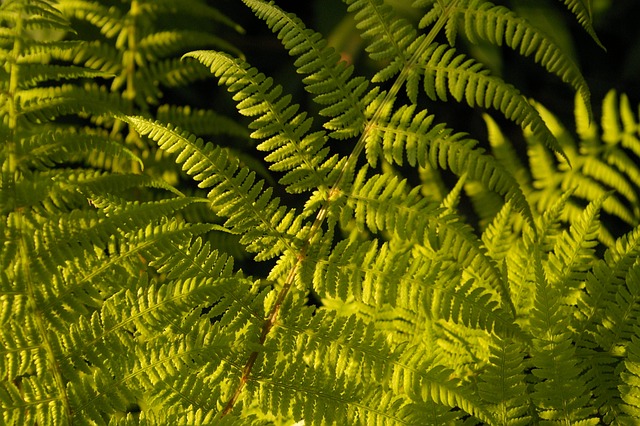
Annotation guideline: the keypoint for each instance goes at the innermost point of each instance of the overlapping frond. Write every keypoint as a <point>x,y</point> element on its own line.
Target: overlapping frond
<point>284,131</point>
<point>503,386</point>
<point>412,133</point>
<point>560,391</point>
<point>482,20</point>
<point>267,228</point>
<point>631,381</point>
<point>382,302</point>
<point>328,78</point>
<point>574,252</point>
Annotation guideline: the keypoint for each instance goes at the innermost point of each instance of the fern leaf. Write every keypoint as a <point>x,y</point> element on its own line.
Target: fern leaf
<point>498,237</point>
<point>440,147</point>
<point>561,394</point>
<point>285,132</point>
<point>573,253</point>
<point>498,25</point>
<point>44,150</point>
<point>466,80</point>
<point>630,388</point>
<point>503,384</point>
<point>582,12</point>
<point>266,227</point>
<point>168,43</point>
<point>108,20</point>
<point>391,39</point>
<point>329,79</point>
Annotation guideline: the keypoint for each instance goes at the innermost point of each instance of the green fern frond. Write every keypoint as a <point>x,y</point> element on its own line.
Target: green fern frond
<point>44,150</point>
<point>434,384</point>
<point>440,147</point>
<point>168,43</point>
<point>630,388</point>
<point>560,392</point>
<point>582,12</point>
<point>503,386</point>
<point>201,121</point>
<point>390,38</point>
<point>483,20</point>
<point>574,253</point>
<point>499,237</point>
<point>466,80</point>
<point>108,20</point>
<point>329,79</point>
<point>285,131</point>
<point>266,227</point>
<point>383,202</point>
<point>33,15</point>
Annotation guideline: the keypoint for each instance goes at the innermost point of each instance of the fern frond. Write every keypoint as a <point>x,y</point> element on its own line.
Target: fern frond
<point>483,20</point>
<point>582,12</point>
<point>440,147</point>
<point>44,150</point>
<point>391,39</point>
<point>630,388</point>
<point>466,80</point>
<point>167,43</point>
<point>266,227</point>
<point>574,253</point>
<point>383,202</point>
<point>560,393</point>
<point>108,20</point>
<point>285,131</point>
<point>498,237</point>
<point>201,121</point>
<point>502,384</point>
<point>329,79</point>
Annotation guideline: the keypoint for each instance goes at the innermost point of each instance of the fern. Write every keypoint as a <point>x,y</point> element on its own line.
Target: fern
<point>338,276</point>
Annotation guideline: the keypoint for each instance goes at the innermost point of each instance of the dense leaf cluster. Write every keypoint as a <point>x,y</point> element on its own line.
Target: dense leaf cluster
<point>131,290</point>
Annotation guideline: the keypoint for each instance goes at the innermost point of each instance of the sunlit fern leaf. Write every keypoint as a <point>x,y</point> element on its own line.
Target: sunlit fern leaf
<point>44,150</point>
<point>32,74</point>
<point>329,79</point>
<point>574,253</point>
<point>383,202</point>
<point>471,305</point>
<point>483,20</point>
<point>108,20</point>
<point>440,147</point>
<point>499,237</point>
<point>606,275</point>
<point>621,313</point>
<point>390,38</point>
<point>426,383</point>
<point>43,104</point>
<point>560,392</point>
<point>266,227</point>
<point>170,43</point>
<point>284,131</point>
<point>447,72</point>
<point>201,121</point>
<point>619,125</point>
<point>521,265</point>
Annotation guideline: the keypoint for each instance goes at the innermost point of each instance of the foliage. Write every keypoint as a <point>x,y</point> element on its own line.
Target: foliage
<point>389,296</point>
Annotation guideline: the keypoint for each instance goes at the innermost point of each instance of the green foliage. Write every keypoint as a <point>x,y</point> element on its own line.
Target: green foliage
<point>348,281</point>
